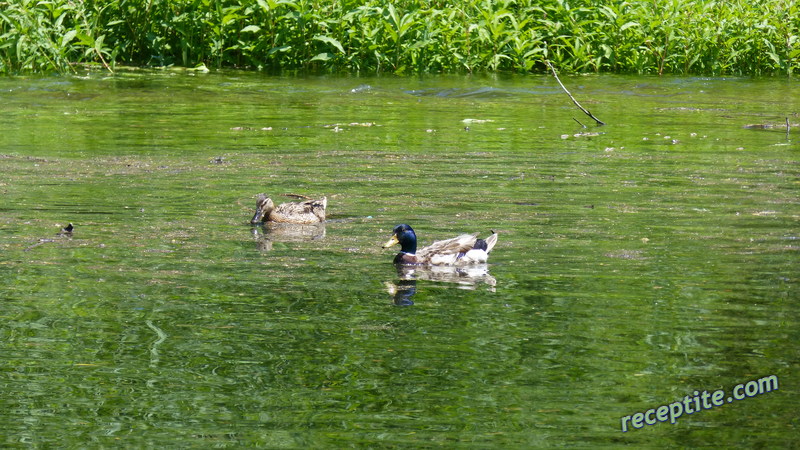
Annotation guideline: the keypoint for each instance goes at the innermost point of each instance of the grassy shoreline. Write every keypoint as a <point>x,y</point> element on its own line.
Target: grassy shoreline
<point>760,37</point>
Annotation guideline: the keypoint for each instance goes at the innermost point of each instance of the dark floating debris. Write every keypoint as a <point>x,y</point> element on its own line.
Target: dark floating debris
<point>361,88</point>
<point>773,126</point>
<point>770,126</point>
<point>66,232</point>
<point>334,126</point>
<point>251,129</point>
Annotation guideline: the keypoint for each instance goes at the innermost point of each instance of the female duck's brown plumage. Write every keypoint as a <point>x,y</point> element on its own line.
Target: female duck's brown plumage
<point>459,251</point>
<point>304,212</point>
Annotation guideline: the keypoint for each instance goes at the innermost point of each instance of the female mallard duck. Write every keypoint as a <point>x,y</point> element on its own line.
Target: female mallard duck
<point>462,250</point>
<point>305,212</point>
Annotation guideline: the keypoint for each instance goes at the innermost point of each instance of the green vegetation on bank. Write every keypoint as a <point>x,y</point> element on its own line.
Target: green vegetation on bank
<point>408,36</point>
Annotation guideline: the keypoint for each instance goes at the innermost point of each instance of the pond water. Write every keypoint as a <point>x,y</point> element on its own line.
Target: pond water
<point>637,262</point>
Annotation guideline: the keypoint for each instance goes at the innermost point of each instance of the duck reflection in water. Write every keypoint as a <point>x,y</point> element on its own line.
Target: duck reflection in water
<point>267,233</point>
<point>468,277</point>
<point>402,291</point>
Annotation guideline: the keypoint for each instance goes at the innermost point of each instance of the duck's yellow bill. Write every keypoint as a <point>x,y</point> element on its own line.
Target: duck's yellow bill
<point>391,241</point>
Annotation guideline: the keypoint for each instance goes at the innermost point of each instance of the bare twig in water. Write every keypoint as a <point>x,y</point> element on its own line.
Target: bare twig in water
<point>788,127</point>
<point>599,122</point>
<point>579,122</point>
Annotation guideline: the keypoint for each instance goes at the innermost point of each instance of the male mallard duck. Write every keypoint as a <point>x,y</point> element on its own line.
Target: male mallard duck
<point>305,212</point>
<point>461,250</point>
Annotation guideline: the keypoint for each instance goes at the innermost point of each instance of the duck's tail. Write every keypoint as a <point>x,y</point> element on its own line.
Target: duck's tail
<point>490,241</point>
<point>305,197</point>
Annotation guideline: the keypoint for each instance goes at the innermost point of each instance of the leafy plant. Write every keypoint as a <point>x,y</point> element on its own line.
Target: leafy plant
<point>636,36</point>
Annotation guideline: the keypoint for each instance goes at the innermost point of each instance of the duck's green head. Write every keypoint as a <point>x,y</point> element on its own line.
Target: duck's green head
<point>405,236</point>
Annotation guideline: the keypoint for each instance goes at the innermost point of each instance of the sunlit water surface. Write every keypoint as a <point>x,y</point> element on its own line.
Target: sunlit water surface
<point>637,262</point>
